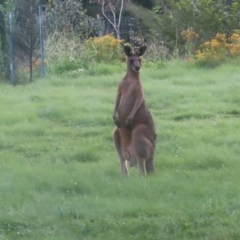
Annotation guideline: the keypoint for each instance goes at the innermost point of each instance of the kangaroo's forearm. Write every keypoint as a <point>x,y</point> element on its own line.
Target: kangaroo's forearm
<point>136,106</point>
<point>116,104</point>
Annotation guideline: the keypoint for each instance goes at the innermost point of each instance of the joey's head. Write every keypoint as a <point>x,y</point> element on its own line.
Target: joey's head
<point>134,58</point>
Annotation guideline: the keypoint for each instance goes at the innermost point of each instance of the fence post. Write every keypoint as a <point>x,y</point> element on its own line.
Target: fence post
<point>41,41</point>
<point>12,80</point>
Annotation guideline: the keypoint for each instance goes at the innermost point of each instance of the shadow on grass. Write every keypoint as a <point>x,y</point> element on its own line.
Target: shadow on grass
<point>189,116</point>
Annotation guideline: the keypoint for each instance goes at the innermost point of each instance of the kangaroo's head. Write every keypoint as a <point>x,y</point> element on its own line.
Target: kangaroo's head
<point>134,58</point>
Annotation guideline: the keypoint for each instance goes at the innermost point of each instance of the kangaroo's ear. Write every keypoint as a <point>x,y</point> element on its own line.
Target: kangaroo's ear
<point>127,50</point>
<point>140,52</point>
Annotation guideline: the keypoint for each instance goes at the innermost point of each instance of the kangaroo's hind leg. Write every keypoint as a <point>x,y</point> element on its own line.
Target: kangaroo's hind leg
<point>143,149</point>
<point>149,162</point>
<point>118,146</point>
<point>149,165</point>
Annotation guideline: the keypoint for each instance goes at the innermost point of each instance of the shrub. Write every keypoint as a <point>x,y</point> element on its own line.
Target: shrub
<point>66,16</point>
<point>234,45</point>
<point>3,63</point>
<point>219,48</point>
<point>64,52</point>
<point>190,37</point>
<point>104,49</point>
<point>157,52</point>
<point>206,17</point>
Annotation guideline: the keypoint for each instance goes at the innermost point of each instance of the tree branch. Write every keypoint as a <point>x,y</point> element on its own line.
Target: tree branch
<point>113,13</point>
<point>113,23</point>
<point>120,14</point>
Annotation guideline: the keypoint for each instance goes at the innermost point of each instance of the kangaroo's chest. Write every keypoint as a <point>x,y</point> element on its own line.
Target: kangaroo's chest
<point>130,92</point>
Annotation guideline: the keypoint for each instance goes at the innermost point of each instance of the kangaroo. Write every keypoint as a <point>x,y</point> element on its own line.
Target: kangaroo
<point>134,136</point>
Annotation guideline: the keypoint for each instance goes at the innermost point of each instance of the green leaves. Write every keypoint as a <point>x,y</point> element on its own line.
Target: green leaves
<point>206,17</point>
<point>66,16</point>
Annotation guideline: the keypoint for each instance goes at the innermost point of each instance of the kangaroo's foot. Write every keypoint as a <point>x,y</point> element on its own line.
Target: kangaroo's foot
<point>118,147</point>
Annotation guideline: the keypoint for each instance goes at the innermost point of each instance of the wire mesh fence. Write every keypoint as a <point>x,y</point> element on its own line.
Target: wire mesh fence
<point>126,28</point>
<point>26,44</point>
<point>28,36</point>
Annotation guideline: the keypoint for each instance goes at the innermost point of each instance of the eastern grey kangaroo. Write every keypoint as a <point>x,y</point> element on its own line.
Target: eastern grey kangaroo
<point>134,136</point>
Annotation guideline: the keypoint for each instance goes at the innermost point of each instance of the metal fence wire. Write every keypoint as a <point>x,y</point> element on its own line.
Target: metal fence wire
<point>126,29</point>
<point>27,40</point>
<point>26,44</point>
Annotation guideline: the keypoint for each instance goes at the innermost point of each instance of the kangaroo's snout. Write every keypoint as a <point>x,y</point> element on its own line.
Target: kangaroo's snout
<point>135,64</point>
<point>137,68</point>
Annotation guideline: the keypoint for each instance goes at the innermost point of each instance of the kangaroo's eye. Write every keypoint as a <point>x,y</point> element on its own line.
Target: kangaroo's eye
<point>131,60</point>
<point>140,60</point>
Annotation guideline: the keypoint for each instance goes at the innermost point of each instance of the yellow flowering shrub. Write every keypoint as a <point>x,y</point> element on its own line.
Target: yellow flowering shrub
<point>219,48</point>
<point>104,49</point>
<point>189,35</point>
<point>234,44</point>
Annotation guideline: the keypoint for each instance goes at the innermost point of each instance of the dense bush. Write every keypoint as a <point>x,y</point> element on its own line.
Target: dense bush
<point>218,49</point>
<point>3,65</point>
<point>64,52</point>
<point>190,37</point>
<point>71,54</point>
<point>104,49</point>
<point>207,18</point>
<point>66,16</point>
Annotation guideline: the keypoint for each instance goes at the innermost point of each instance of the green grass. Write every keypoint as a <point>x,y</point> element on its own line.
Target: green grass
<point>60,177</point>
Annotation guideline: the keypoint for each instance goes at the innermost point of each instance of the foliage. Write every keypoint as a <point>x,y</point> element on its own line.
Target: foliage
<point>104,49</point>
<point>68,16</point>
<point>190,37</point>
<point>146,25</point>
<point>64,52</point>
<point>219,48</point>
<point>3,64</point>
<point>207,18</point>
<point>26,33</point>
<point>112,11</point>
<point>156,51</point>
<point>2,28</point>
<point>145,3</point>
<point>5,8</point>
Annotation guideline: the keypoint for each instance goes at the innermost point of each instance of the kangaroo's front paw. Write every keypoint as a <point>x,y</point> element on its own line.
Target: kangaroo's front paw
<point>128,122</point>
<point>116,121</point>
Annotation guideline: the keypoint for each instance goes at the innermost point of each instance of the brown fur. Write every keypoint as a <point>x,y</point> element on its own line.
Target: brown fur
<point>134,137</point>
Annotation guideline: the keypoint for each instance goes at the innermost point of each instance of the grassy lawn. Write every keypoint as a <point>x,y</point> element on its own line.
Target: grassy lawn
<point>60,177</point>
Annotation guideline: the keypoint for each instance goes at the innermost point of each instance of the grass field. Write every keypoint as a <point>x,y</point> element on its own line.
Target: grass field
<point>60,177</point>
